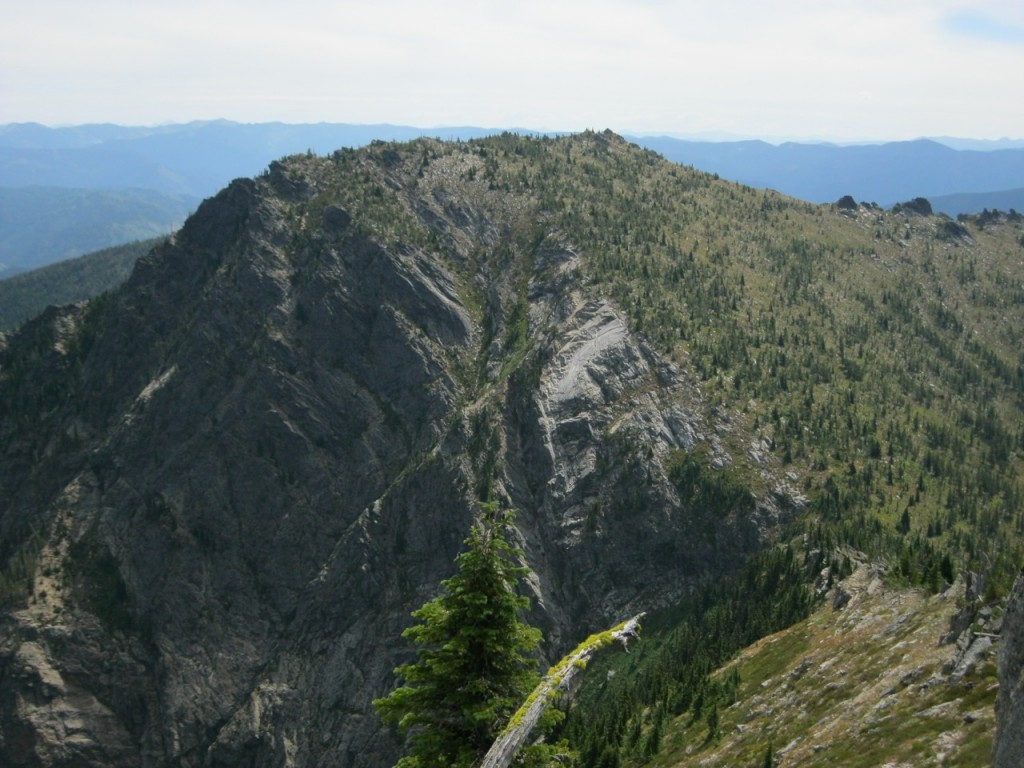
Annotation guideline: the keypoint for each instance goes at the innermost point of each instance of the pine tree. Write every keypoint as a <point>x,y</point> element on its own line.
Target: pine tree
<point>474,661</point>
<point>713,723</point>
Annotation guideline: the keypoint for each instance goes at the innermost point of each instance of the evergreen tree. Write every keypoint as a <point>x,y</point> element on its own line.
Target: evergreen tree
<point>474,662</point>
<point>713,723</point>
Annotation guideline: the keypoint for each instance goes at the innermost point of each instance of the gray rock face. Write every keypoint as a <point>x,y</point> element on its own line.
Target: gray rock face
<point>1009,746</point>
<point>268,453</point>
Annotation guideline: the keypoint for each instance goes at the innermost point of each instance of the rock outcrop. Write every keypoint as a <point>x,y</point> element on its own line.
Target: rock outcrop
<point>1009,747</point>
<point>245,468</point>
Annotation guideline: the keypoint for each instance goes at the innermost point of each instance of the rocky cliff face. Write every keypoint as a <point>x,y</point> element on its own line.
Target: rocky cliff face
<point>224,487</point>
<point>1009,748</point>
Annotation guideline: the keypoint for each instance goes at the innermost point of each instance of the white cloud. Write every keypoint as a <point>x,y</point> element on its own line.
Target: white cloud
<point>796,68</point>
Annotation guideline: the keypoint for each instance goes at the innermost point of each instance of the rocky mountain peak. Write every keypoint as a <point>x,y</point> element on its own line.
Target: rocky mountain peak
<point>267,446</point>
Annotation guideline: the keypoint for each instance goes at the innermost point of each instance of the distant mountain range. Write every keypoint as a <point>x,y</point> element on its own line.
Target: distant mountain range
<point>953,205</point>
<point>177,165</point>
<point>199,158</point>
<point>882,173</point>
<point>43,225</point>
<point>196,158</point>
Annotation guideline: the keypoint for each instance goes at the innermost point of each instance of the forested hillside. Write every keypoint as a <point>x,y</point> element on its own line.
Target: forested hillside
<point>876,353</point>
<point>25,295</point>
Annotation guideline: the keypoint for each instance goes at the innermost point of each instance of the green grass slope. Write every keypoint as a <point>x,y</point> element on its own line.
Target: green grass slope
<point>866,684</point>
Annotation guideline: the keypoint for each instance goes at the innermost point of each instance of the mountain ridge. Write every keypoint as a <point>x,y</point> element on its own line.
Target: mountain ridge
<point>187,162</point>
<point>156,307</point>
<point>368,344</point>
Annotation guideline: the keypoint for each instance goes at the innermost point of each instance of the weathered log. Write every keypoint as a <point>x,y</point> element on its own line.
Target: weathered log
<point>521,724</point>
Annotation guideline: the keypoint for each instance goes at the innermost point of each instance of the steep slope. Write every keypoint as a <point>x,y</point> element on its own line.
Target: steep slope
<point>224,486</point>
<point>230,482</point>
<point>876,676</point>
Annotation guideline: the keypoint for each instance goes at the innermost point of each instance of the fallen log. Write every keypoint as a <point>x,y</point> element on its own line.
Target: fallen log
<point>521,724</point>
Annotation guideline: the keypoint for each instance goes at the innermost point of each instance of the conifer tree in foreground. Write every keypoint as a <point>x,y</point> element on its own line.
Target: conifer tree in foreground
<point>475,659</point>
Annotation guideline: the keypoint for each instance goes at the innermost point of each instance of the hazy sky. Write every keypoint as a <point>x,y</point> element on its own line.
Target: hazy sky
<point>856,69</point>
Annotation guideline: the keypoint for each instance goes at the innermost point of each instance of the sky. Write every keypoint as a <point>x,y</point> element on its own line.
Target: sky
<point>787,69</point>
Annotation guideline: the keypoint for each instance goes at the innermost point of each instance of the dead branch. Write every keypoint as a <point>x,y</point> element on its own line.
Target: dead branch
<point>558,678</point>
